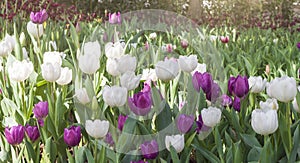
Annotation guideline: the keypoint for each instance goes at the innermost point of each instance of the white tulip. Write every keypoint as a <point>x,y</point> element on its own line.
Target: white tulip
<point>89,64</point>
<point>256,84</point>
<point>115,95</point>
<point>114,50</point>
<point>284,89</point>
<point>166,70</point>
<point>269,104</point>
<point>264,122</point>
<point>51,72</point>
<point>82,95</point>
<point>200,68</point>
<point>295,105</point>
<point>10,40</point>
<point>65,76</point>
<point>211,116</point>
<point>52,57</point>
<point>25,53</point>
<point>213,37</point>
<point>129,80</point>
<point>112,66</point>
<point>177,141</point>
<point>36,30</point>
<point>188,63</point>
<point>153,35</point>
<point>92,48</point>
<point>4,49</point>
<point>149,74</point>
<point>126,63</point>
<point>20,71</point>
<point>97,128</point>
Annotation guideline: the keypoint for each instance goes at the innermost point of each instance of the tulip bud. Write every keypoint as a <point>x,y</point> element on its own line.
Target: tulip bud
<point>257,84</point>
<point>224,39</point>
<point>284,89</point>
<point>89,64</point>
<point>267,71</point>
<point>51,72</point>
<point>203,81</point>
<point>264,121</point>
<point>129,80</point>
<point>15,134</point>
<point>298,45</point>
<point>92,48</point>
<point>238,86</point>
<point>20,71</point>
<point>36,30</point>
<point>114,18</point>
<point>82,96</point>
<point>211,116</point>
<point>188,63</point>
<point>184,44</point>
<point>141,103</point>
<point>166,70</point>
<point>4,49</point>
<point>226,101</point>
<point>114,96</point>
<point>185,123</point>
<point>121,121</point>
<point>114,50</point>
<point>149,149</point>
<point>41,110</point>
<point>65,76</point>
<point>112,67</point>
<point>177,141</point>
<point>39,17</point>
<point>126,63</point>
<point>72,135</point>
<point>32,132</point>
<point>237,104</point>
<point>97,128</point>
<point>153,35</point>
<point>108,139</point>
<point>269,104</point>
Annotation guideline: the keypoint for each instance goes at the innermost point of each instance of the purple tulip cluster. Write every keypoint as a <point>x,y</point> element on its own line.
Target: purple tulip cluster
<point>238,87</point>
<point>15,134</point>
<point>205,82</point>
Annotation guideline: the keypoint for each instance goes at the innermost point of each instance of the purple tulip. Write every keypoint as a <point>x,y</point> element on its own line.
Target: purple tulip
<point>121,121</point>
<point>141,103</point>
<point>200,125</point>
<point>184,44</point>
<point>147,86</point>
<point>32,132</point>
<point>298,45</point>
<point>41,110</point>
<point>214,93</point>
<point>39,17</point>
<point>237,104</point>
<point>15,134</point>
<point>238,86</point>
<point>108,139</point>
<point>226,100</point>
<point>72,135</point>
<point>149,149</point>
<point>114,18</point>
<point>203,81</point>
<point>185,123</point>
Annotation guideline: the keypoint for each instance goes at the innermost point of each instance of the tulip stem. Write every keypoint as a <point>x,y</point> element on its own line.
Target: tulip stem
<point>95,150</point>
<point>22,85</point>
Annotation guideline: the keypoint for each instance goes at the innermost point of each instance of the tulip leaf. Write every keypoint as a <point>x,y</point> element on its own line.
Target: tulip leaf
<point>51,149</point>
<point>30,150</point>
<point>266,153</point>
<point>296,146</point>
<point>164,118</point>
<point>237,153</point>
<point>70,157</point>
<point>79,154</point>
<point>190,140</point>
<point>206,153</point>
<point>88,155</point>
<point>250,140</point>
<point>102,154</point>
<point>254,154</point>
<point>174,155</point>
<point>219,143</point>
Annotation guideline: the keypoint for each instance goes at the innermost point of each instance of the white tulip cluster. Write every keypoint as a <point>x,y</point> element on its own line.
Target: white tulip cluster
<point>52,70</point>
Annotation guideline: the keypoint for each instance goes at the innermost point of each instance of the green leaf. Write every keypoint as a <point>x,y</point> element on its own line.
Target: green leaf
<point>254,154</point>
<point>206,153</point>
<point>89,156</point>
<point>164,118</point>
<point>174,155</point>
<point>102,154</point>
<point>79,154</point>
<point>51,149</point>
<point>30,150</point>
<point>70,157</point>
<point>266,153</point>
<point>237,153</point>
<point>190,140</point>
<point>219,143</point>
<point>250,140</point>
<point>296,145</point>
